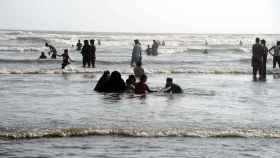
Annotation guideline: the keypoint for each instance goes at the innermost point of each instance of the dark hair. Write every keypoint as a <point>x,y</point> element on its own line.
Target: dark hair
<point>86,42</point>
<point>169,79</point>
<point>66,50</point>
<point>263,41</point>
<point>278,42</point>
<point>136,41</point>
<point>143,77</point>
<point>92,41</point>
<point>257,39</point>
<point>107,72</point>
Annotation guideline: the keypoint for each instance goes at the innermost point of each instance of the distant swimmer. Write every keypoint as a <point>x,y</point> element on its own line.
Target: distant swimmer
<point>52,50</point>
<point>155,48</point>
<point>257,59</point>
<point>42,56</point>
<point>136,53</point>
<point>65,58</point>
<point>79,45</point>
<point>206,47</point>
<point>141,87</point>
<point>171,87</point>
<point>206,43</point>
<point>276,54</point>
<point>99,42</point>
<point>138,70</point>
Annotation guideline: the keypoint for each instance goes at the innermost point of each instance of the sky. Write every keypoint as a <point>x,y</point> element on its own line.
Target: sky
<point>163,16</point>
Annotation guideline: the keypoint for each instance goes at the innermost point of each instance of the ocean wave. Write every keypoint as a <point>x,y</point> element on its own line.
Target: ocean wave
<point>222,50</point>
<point>18,49</point>
<point>141,132</point>
<point>32,39</point>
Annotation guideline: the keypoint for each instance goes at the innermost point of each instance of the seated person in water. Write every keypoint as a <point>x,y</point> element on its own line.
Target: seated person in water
<point>171,87</point>
<point>65,58</point>
<point>138,70</point>
<point>52,50</point>
<point>115,84</point>
<point>79,45</point>
<point>141,87</point>
<point>101,84</point>
<point>42,56</point>
<point>130,83</point>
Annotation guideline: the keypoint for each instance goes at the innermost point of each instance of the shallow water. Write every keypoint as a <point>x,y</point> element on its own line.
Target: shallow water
<point>47,112</point>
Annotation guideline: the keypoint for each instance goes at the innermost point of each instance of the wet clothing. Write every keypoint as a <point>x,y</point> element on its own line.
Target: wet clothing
<point>92,55</point>
<point>138,71</point>
<point>115,84</point>
<point>101,84</point>
<point>141,88</point>
<point>86,55</point>
<point>265,53</point>
<point>65,60</point>
<point>136,54</point>
<point>257,60</point>
<point>174,88</point>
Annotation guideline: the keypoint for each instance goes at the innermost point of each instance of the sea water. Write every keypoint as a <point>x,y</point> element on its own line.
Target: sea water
<point>47,112</point>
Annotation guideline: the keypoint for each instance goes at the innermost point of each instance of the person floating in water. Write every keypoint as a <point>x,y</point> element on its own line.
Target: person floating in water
<point>171,87</point>
<point>265,52</point>
<point>52,50</point>
<point>276,54</point>
<point>257,59</point>
<point>65,58</point>
<point>141,87</point>
<point>42,56</point>
<point>79,45</point>
<point>136,53</point>
<point>86,53</point>
<point>155,48</point>
<point>138,70</point>
<point>92,56</point>
<point>101,84</point>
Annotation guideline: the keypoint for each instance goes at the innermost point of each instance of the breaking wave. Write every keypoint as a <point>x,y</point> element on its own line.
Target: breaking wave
<point>141,132</point>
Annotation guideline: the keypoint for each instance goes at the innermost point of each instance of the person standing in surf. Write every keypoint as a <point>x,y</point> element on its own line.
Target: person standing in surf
<point>79,45</point>
<point>65,58</point>
<point>52,50</point>
<point>136,53</point>
<point>155,48</point>
<point>86,53</point>
<point>257,59</point>
<point>276,55</point>
<point>265,52</point>
<point>92,53</point>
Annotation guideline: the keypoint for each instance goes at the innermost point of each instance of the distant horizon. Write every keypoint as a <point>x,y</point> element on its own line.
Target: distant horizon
<point>91,31</point>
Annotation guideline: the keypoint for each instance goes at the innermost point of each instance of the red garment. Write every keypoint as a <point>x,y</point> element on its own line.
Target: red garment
<point>141,88</point>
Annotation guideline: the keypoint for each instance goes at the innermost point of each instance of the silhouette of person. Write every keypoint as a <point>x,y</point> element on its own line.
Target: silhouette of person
<point>265,52</point>
<point>42,56</point>
<point>86,53</point>
<point>102,82</point>
<point>92,53</point>
<point>155,48</point>
<point>79,45</point>
<point>65,58</point>
<point>171,87</point>
<point>52,50</point>
<point>276,54</point>
<point>257,59</point>
<point>141,87</point>
<point>149,50</point>
<point>99,42</point>
<point>115,84</point>
<point>136,53</point>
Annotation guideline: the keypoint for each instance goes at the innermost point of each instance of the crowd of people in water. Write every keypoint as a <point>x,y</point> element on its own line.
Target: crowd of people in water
<point>113,83</point>
<point>259,58</point>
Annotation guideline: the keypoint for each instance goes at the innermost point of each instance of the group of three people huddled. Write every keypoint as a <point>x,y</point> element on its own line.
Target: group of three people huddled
<point>113,83</point>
